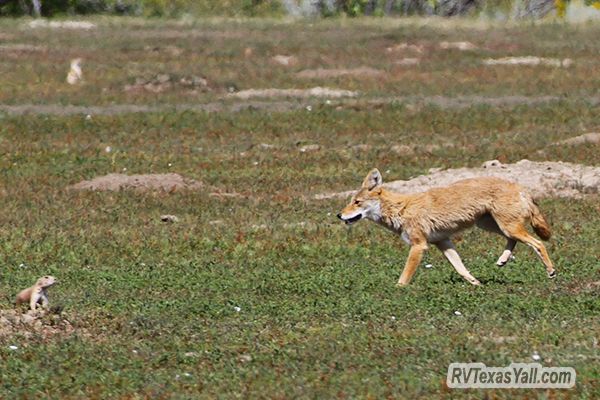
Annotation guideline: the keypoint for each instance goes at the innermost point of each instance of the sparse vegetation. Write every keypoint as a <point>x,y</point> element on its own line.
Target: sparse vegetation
<point>265,294</point>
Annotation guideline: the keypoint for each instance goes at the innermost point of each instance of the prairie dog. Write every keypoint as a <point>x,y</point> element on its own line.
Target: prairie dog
<point>36,293</point>
<point>75,76</point>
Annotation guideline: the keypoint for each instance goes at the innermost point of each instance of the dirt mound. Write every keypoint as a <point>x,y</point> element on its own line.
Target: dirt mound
<point>322,73</point>
<point>33,323</point>
<point>301,93</point>
<point>542,179</point>
<point>158,182</point>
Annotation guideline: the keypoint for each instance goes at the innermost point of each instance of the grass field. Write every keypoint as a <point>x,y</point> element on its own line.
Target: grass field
<point>267,295</point>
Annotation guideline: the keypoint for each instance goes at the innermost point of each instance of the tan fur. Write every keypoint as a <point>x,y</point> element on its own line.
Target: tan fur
<point>36,293</point>
<point>492,204</point>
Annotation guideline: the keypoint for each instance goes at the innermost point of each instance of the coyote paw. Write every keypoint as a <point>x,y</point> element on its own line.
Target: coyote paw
<point>474,282</point>
<point>503,261</point>
<point>401,284</point>
<point>552,274</point>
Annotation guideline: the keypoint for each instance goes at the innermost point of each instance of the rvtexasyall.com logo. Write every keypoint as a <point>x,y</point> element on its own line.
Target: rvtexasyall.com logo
<point>516,375</point>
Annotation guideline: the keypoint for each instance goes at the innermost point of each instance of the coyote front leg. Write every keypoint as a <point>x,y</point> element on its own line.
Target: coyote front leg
<point>447,247</point>
<point>414,259</point>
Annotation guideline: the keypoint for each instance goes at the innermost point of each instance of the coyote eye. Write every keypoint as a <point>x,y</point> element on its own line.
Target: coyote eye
<point>356,202</point>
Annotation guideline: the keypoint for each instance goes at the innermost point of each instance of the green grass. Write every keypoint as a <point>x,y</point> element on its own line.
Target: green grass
<point>319,314</point>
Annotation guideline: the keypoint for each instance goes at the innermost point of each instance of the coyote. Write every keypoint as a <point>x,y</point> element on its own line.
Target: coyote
<point>493,204</point>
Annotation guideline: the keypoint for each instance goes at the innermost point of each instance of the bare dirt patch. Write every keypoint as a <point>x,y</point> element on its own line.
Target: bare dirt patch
<point>299,93</point>
<point>33,324</point>
<point>542,179</point>
<point>163,82</point>
<point>529,60</point>
<point>404,47</point>
<point>42,23</point>
<point>586,138</point>
<point>286,61</point>
<point>280,105</point>
<point>408,61</point>
<point>462,46</point>
<point>21,47</point>
<point>148,182</point>
<point>325,73</point>
<point>577,287</point>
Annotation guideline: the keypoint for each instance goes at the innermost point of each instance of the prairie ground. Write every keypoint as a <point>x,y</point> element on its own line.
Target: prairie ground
<point>257,290</point>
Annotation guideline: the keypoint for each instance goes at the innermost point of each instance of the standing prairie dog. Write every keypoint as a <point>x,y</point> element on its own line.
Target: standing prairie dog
<point>75,75</point>
<point>36,293</point>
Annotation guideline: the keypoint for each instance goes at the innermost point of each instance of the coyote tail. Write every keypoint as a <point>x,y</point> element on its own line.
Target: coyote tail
<point>538,222</point>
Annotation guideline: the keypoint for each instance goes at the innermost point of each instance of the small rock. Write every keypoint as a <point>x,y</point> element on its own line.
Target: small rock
<point>286,61</point>
<point>457,46</point>
<point>403,150</point>
<point>458,313</point>
<point>27,319</point>
<point>12,347</point>
<point>169,218</point>
<point>237,309</point>
<point>245,358</point>
<point>309,148</point>
<point>407,61</point>
<point>266,146</point>
<point>163,78</point>
<point>428,266</point>
<point>535,356</point>
<point>361,147</point>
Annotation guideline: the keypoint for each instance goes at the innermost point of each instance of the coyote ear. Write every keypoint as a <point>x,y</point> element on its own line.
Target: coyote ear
<point>372,180</point>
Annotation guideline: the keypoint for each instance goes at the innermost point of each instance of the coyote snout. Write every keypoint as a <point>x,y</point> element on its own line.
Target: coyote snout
<point>431,217</point>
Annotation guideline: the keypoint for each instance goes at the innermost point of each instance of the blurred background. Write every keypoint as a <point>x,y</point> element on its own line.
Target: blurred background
<point>570,10</point>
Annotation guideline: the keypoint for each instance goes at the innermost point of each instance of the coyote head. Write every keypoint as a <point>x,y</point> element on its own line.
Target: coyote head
<point>366,202</point>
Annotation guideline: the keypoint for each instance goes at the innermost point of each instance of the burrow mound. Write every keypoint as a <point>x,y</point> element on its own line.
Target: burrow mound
<point>34,324</point>
<point>147,182</point>
<point>326,73</point>
<point>542,179</point>
<point>296,93</point>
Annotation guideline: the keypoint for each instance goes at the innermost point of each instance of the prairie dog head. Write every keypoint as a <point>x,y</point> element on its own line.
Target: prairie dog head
<point>46,281</point>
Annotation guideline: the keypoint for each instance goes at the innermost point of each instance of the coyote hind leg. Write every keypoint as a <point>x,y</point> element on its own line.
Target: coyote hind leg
<point>518,232</point>
<point>506,255</point>
<point>488,223</point>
